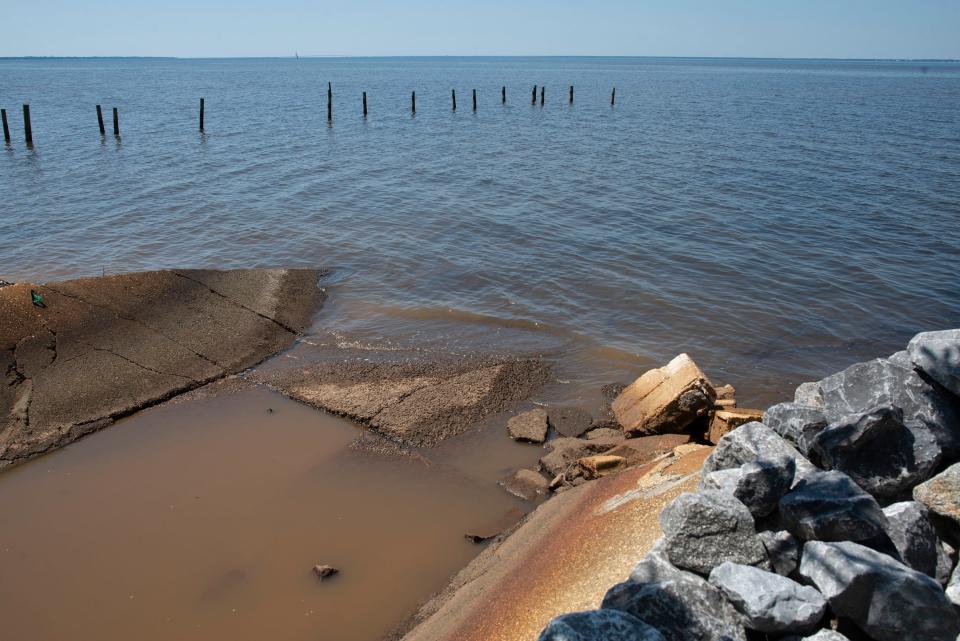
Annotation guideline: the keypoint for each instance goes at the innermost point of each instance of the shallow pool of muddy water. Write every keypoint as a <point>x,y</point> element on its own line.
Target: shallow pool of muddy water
<point>203,519</point>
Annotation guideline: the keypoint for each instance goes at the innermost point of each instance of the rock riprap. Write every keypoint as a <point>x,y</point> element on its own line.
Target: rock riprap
<point>599,625</point>
<point>804,520</point>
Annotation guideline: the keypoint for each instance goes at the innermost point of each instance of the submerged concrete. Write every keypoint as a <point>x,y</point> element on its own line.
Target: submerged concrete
<point>95,349</point>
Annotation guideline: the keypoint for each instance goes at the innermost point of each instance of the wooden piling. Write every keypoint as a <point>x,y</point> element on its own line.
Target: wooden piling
<point>6,126</point>
<point>329,102</point>
<point>103,130</point>
<point>413,102</point>
<point>201,114</point>
<point>364,104</point>
<point>503,95</point>
<point>571,94</point>
<point>542,89</point>
<point>474,99</point>
<point>116,122</point>
<point>27,127</point>
<point>613,96</point>
<point>453,96</point>
<point>533,95</point>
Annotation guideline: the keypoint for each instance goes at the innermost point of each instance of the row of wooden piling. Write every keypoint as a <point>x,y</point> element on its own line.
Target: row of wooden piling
<point>28,129</point>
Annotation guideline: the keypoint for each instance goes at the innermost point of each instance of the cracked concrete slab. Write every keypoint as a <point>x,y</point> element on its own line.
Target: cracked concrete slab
<point>417,401</point>
<point>101,348</point>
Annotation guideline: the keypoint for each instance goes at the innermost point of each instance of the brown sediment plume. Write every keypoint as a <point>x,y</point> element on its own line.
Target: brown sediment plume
<point>78,354</point>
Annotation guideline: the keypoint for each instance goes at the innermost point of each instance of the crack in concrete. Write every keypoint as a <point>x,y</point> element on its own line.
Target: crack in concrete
<point>240,305</point>
<point>133,319</point>
<point>133,362</point>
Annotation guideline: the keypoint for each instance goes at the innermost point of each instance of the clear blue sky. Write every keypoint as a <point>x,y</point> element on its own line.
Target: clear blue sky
<point>763,28</point>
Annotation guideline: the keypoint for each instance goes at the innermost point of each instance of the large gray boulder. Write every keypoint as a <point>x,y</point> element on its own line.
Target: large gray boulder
<point>878,451</point>
<point>941,495</point>
<point>751,442</point>
<point>938,355</point>
<point>703,529</point>
<point>680,605</point>
<point>782,550</point>
<point>761,483</point>
<point>910,531</point>
<point>769,602</point>
<point>797,423</point>
<point>862,387</point>
<point>829,506</point>
<point>598,625</point>
<point>883,597</point>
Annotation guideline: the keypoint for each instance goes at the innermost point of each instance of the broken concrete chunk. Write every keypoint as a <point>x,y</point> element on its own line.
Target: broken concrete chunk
<point>525,484</point>
<point>725,392</point>
<point>601,465</point>
<point>724,403</point>
<point>569,421</point>
<point>941,495</point>
<point>667,399</point>
<point>769,602</point>
<point>938,355</point>
<point>530,427</point>
<point>704,529</point>
<point>598,625</point>
<point>725,421</point>
<point>565,452</point>
<point>829,506</point>
<point>886,599</point>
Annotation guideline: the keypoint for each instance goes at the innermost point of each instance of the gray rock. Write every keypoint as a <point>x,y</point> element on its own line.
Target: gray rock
<point>809,394</point>
<point>910,531</point>
<point>820,635</point>
<point>599,625</point>
<point>938,355</point>
<point>782,550</point>
<point>829,506</point>
<point>946,556</point>
<point>879,452</point>
<point>722,480</point>
<point>704,529</point>
<point>681,605</point>
<point>953,587</point>
<point>751,442</point>
<point>883,597</point>
<point>526,484</point>
<point>769,602</point>
<point>569,421</point>
<point>529,426</point>
<point>901,359</point>
<point>796,422</point>
<point>761,484</point>
<point>862,387</point>
<point>941,495</point>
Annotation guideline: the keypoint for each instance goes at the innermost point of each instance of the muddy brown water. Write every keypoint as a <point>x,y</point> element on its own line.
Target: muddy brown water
<point>202,520</point>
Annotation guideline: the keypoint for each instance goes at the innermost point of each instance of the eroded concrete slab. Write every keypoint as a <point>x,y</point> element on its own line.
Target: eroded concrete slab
<point>96,349</point>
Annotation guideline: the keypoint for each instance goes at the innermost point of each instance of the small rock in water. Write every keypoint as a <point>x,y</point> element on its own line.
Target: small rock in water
<point>704,529</point>
<point>525,484</point>
<point>938,355</point>
<point>782,550</point>
<point>941,494</point>
<point>885,598</point>
<point>769,602</point>
<point>598,625</point>
<point>569,421</point>
<point>910,531</point>
<point>762,482</point>
<point>529,426</point>
<point>325,571</point>
<point>829,506</point>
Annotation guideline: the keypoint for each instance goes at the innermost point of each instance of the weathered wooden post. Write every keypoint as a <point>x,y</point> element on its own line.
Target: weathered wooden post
<point>6,126</point>
<point>329,102</point>
<point>413,102</point>
<point>103,131</point>
<point>27,127</point>
<point>613,96</point>
<point>116,122</point>
<point>533,95</point>
<point>503,95</point>
<point>201,114</point>
<point>541,95</point>
<point>474,99</point>
<point>453,96</point>
<point>364,104</point>
<point>571,94</point>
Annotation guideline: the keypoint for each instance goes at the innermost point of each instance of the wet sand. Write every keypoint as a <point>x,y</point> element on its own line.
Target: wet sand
<point>202,519</point>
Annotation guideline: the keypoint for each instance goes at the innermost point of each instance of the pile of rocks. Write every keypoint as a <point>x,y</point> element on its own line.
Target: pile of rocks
<point>837,517</point>
<point>666,407</point>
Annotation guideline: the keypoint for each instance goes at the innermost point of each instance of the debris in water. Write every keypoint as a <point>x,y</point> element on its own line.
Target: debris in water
<point>325,571</point>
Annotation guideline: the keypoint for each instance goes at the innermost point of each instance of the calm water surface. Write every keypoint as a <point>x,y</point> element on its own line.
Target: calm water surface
<point>776,219</point>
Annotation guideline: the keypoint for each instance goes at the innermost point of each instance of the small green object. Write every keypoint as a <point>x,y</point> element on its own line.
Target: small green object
<point>36,298</point>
